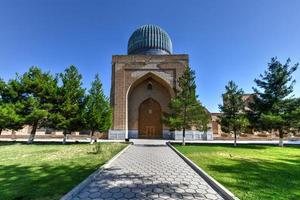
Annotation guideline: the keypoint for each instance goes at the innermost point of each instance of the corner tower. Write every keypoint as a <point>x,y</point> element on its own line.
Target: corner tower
<point>143,84</point>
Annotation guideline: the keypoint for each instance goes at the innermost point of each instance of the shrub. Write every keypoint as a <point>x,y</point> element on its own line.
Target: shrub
<point>97,148</point>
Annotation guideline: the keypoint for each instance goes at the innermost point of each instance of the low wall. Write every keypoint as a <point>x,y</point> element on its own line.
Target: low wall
<point>169,135</point>
<point>192,135</point>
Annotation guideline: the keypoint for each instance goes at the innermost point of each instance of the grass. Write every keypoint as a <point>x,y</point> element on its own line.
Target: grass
<point>251,171</point>
<point>48,171</point>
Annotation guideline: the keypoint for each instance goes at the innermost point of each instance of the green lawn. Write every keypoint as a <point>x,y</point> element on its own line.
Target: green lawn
<point>251,171</point>
<point>47,171</point>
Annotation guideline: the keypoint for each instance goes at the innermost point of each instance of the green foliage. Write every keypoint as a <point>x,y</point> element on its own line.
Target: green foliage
<point>37,91</point>
<point>2,88</point>
<point>70,99</point>
<point>97,113</point>
<point>27,100</point>
<point>295,119</point>
<point>185,110</point>
<point>272,103</point>
<point>233,118</point>
<point>97,148</point>
<point>9,119</point>
<point>272,121</point>
<point>10,106</point>
<point>292,114</point>
<point>35,99</point>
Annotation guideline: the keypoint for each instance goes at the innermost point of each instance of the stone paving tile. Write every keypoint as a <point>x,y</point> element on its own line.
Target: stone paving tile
<point>148,172</point>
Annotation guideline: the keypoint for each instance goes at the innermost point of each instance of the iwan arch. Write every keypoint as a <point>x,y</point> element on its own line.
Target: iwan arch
<point>143,84</point>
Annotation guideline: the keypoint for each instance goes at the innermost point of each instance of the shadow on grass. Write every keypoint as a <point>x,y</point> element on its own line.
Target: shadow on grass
<point>261,179</point>
<point>7,143</point>
<point>46,181</point>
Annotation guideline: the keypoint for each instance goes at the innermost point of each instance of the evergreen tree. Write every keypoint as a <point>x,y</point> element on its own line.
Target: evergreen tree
<point>291,115</point>
<point>9,119</point>
<point>233,118</point>
<point>2,88</point>
<point>185,110</point>
<point>70,99</point>
<point>2,110</point>
<point>38,89</point>
<point>97,113</point>
<point>10,106</point>
<point>270,104</point>
<point>294,115</point>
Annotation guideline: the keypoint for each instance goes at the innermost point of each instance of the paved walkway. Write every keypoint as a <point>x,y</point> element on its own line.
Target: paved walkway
<point>148,172</point>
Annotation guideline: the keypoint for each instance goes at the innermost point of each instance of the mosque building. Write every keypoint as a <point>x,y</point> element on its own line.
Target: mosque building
<point>142,86</point>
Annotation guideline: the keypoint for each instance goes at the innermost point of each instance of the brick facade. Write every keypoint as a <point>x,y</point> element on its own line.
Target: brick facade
<point>130,76</point>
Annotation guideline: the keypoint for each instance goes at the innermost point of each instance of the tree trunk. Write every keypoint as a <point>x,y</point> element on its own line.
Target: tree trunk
<point>183,137</point>
<point>183,130</point>
<point>280,138</point>
<point>235,139</point>
<point>91,136</point>
<point>32,133</point>
<point>65,137</point>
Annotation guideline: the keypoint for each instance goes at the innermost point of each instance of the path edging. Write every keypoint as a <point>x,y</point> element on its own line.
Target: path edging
<point>220,189</point>
<point>71,194</point>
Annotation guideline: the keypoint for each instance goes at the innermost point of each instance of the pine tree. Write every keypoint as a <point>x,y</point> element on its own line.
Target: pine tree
<point>97,113</point>
<point>38,89</point>
<point>68,111</point>
<point>270,104</point>
<point>292,114</point>
<point>9,119</point>
<point>185,110</point>
<point>2,88</point>
<point>233,118</point>
<point>3,111</point>
<point>10,106</point>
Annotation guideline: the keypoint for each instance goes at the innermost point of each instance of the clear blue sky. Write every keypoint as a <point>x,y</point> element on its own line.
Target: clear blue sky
<point>226,39</point>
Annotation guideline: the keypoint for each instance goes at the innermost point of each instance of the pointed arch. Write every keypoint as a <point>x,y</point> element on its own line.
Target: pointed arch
<point>160,80</point>
<point>155,77</point>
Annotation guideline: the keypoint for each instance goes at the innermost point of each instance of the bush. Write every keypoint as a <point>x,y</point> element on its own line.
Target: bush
<point>97,148</point>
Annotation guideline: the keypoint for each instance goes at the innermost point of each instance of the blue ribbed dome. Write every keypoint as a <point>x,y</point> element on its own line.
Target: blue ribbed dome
<point>150,39</point>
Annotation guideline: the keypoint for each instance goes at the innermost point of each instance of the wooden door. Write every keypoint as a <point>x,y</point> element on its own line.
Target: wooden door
<point>150,125</point>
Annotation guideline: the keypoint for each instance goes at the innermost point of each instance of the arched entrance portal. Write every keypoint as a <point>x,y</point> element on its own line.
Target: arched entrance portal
<point>149,124</point>
<point>149,93</point>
